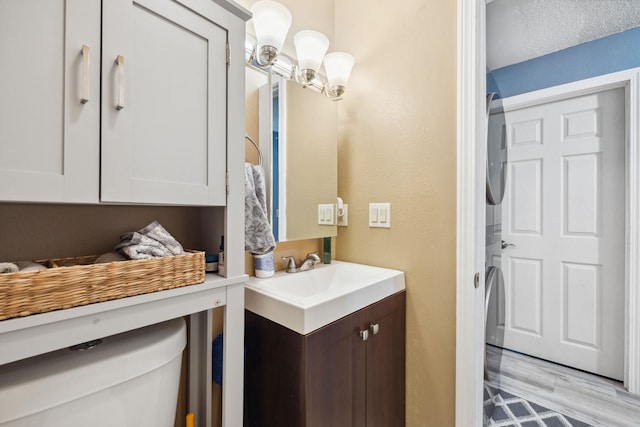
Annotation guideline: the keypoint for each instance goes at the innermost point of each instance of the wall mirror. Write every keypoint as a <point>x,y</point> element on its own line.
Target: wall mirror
<point>296,131</point>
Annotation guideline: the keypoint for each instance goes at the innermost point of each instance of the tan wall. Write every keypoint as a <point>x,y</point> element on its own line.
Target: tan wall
<point>397,144</point>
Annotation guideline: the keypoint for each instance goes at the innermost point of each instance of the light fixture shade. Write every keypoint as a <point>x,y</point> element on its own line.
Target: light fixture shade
<point>310,49</point>
<point>271,21</point>
<point>338,67</point>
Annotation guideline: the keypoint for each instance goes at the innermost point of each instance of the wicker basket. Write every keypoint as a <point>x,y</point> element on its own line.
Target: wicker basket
<point>71,282</point>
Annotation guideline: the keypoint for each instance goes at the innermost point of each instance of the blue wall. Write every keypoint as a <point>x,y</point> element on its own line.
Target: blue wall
<point>609,54</point>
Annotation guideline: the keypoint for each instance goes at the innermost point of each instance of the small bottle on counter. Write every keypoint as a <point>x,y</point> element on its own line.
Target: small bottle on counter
<point>326,250</point>
<point>221,261</point>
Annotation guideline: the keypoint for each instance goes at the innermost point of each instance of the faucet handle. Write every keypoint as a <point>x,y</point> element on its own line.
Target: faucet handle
<point>291,262</point>
<point>313,256</point>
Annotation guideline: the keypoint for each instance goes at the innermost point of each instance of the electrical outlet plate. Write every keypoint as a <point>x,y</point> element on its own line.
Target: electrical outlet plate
<point>342,220</point>
<point>326,214</point>
<point>380,215</point>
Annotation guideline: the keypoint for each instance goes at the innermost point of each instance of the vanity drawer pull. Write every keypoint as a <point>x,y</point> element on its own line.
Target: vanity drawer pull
<point>375,328</point>
<point>364,335</point>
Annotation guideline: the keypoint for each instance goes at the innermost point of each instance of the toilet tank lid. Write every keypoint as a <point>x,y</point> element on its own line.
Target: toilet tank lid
<point>42,382</point>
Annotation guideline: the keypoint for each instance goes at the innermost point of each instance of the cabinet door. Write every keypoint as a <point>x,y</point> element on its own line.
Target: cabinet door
<point>49,138</point>
<point>164,76</point>
<point>386,363</point>
<point>335,374</point>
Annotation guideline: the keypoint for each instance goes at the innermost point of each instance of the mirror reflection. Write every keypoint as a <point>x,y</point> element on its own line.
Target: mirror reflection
<point>496,151</point>
<point>296,131</point>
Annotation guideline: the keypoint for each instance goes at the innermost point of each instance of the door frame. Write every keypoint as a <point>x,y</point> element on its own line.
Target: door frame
<point>471,151</point>
<point>629,81</point>
<point>470,211</point>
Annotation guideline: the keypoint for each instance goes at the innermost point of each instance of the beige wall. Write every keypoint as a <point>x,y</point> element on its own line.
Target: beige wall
<point>397,144</point>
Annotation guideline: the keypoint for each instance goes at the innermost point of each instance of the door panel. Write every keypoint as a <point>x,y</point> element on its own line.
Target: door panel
<point>49,148</point>
<point>386,363</point>
<point>564,212</point>
<point>166,143</point>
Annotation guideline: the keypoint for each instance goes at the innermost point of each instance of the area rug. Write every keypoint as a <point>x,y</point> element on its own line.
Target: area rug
<point>514,411</point>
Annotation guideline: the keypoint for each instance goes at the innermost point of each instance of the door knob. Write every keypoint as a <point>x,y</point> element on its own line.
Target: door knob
<point>505,244</point>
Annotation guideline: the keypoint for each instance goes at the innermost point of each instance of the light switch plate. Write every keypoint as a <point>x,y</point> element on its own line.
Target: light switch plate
<point>380,215</point>
<point>326,214</point>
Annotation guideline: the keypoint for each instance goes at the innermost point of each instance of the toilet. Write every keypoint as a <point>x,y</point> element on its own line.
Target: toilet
<point>130,379</point>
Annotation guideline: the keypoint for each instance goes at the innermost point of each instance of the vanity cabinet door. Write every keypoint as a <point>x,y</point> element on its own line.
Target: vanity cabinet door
<point>164,80</point>
<point>335,374</point>
<point>386,362</point>
<point>50,100</point>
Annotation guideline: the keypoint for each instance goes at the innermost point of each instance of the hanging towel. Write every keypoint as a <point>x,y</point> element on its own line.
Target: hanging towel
<point>258,237</point>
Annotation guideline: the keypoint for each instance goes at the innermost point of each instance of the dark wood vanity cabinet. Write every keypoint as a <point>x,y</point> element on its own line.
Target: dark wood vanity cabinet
<point>350,373</point>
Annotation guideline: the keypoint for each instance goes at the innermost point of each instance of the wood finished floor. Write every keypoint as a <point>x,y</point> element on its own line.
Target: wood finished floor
<point>595,400</point>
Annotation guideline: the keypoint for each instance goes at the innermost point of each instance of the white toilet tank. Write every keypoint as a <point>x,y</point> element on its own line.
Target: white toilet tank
<point>130,379</point>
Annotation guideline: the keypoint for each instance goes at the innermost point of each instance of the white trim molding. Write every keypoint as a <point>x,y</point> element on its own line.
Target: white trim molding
<point>629,80</point>
<point>471,142</point>
<point>632,294</point>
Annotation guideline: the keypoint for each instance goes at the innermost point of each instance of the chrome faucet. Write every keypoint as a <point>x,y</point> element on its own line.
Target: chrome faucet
<point>308,264</point>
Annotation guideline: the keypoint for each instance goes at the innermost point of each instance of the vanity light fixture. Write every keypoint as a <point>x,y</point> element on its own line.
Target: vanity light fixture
<point>272,21</point>
<point>311,47</point>
<point>338,67</point>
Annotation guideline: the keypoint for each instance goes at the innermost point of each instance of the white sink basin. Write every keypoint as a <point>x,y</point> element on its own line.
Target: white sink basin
<point>309,300</point>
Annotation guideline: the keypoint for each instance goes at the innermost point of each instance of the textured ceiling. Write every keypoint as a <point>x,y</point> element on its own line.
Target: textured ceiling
<point>518,30</point>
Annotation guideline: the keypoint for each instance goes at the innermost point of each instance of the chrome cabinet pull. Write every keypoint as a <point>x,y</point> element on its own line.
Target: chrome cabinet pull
<point>85,73</point>
<point>364,335</point>
<point>120,64</point>
<point>374,328</point>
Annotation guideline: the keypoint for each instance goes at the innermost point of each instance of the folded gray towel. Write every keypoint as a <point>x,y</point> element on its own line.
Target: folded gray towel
<point>138,246</point>
<point>151,241</point>
<point>157,232</point>
<point>258,237</point>
<point>8,267</point>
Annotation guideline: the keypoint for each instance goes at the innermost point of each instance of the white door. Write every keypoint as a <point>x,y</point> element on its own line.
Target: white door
<point>164,100</point>
<point>564,212</point>
<point>49,120</point>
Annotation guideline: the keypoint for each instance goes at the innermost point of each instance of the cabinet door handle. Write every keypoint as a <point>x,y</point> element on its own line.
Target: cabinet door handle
<point>120,64</point>
<point>85,73</point>
<point>375,328</point>
<point>364,335</point>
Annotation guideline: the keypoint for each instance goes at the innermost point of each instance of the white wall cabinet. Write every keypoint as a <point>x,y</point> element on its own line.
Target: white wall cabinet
<point>164,106</point>
<point>49,138</point>
<point>160,137</point>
